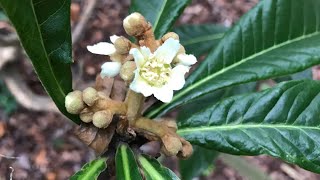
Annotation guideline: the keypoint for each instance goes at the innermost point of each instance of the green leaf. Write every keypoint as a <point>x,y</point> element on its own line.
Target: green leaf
<point>91,170</point>
<point>161,13</point>
<point>275,38</point>
<point>282,122</point>
<point>43,27</point>
<point>200,160</point>
<point>153,170</point>
<point>126,165</point>
<point>200,39</point>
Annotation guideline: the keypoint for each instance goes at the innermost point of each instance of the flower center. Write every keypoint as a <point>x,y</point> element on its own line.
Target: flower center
<point>155,72</point>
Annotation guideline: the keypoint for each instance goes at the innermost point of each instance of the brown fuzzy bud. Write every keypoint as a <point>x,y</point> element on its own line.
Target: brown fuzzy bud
<point>135,24</point>
<point>171,145</point>
<point>90,95</point>
<point>102,119</point>
<point>74,103</point>
<point>126,71</point>
<point>170,35</point>
<point>186,151</point>
<point>122,45</point>
<point>181,50</point>
<point>86,115</point>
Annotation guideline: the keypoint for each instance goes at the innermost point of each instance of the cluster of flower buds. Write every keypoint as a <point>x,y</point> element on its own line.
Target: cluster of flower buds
<point>148,67</point>
<point>93,106</point>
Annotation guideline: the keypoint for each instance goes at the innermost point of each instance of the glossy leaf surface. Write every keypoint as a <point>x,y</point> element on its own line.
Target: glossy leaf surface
<point>283,122</point>
<point>275,38</point>
<point>161,13</point>
<point>43,27</point>
<point>153,170</point>
<point>126,165</point>
<point>90,170</point>
<point>200,39</point>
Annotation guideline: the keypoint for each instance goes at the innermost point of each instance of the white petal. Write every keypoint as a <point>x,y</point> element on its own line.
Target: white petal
<point>113,38</point>
<point>177,79</point>
<point>110,69</point>
<point>102,48</point>
<point>167,51</point>
<point>145,52</point>
<point>186,59</point>
<point>138,57</point>
<point>140,86</point>
<point>164,94</point>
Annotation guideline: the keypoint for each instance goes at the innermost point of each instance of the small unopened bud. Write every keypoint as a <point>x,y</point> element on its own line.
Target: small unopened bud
<point>90,95</point>
<point>135,24</point>
<point>102,119</point>
<point>170,35</point>
<point>181,50</point>
<point>126,72</point>
<point>171,145</point>
<point>186,151</point>
<point>74,103</point>
<point>122,45</point>
<point>86,115</point>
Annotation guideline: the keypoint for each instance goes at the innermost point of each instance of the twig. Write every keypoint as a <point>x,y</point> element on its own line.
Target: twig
<point>22,93</point>
<point>8,157</point>
<point>84,17</point>
<point>10,55</point>
<point>11,173</point>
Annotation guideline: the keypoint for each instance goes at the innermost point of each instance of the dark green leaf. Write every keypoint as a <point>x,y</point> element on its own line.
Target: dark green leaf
<point>199,162</point>
<point>161,13</point>
<point>90,170</point>
<point>202,158</point>
<point>283,122</point>
<point>43,27</point>
<point>126,165</point>
<point>275,38</point>
<point>153,170</point>
<point>200,39</point>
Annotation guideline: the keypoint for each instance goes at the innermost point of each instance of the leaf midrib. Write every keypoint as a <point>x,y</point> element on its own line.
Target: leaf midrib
<point>183,131</point>
<point>159,16</point>
<point>125,163</point>
<point>89,174</point>
<point>202,81</point>
<point>151,170</point>
<point>45,51</point>
<point>200,39</point>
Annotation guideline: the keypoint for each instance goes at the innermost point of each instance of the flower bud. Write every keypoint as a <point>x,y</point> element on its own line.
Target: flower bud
<point>171,145</point>
<point>126,72</point>
<point>135,24</point>
<point>90,95</point>
<point>102,119</point>
<point>122,45</point>
<point>74,103</point>
<point>170,35</point>
<point>86,115</point>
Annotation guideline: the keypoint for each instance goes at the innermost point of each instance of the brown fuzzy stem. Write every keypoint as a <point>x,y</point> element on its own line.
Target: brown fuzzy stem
<point>116,107</point>
<point>134,102</point>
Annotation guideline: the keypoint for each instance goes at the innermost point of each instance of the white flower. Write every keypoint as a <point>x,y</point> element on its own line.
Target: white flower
<point>104,48</point>
<point>155,74</point>
<point>108,69</point>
